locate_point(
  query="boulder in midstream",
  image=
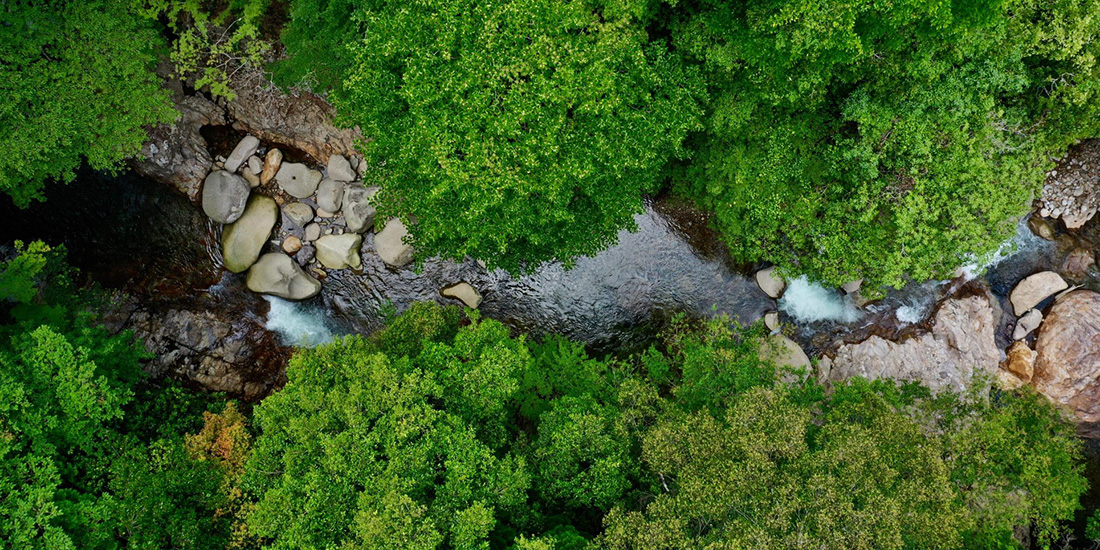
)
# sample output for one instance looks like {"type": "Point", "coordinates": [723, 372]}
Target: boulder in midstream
{"type": "Point", "coordinates": [339, 251]}
{"type": "Point", "coordinates": [464, 292]}
{"type": "Point", "coordinates": [243, 240]}
{"type": "Point", "coordinates": [224, 196]}
{"type": "Point", "coordinates": [770, 282]}
{"type": "Point", "coordinates": [278, 275]}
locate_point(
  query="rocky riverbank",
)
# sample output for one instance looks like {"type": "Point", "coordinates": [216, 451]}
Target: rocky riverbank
{"type": "Point", "coordinates": [293, 223]}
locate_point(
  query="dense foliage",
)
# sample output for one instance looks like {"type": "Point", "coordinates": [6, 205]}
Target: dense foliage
{"type": "Point", "coordinates": [515, 132]}
{"type": "Point", "coordinates": [76, 82]}
{"type": "Point", "coordinates": [91, 457]}
{"type": "Point", "coordinates": [880, 140]}
{"type": "Point", "coordinates": [474, 439]}
{"type": "Point", "coordinates": [446, 431]}
{"type": "Point", "coordinates": [883, 139]}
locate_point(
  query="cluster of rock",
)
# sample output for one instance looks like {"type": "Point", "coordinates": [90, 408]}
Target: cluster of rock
{"type": "Point", "coordinates": [177, 153]}
{"type": "Point", "coordinates": [324, 216]}
{"type": "Point", "coordinates": [1072, 189]}
{"type": "Point", "coordinates": [323, 220]}
{"type": "Point", "coordinates": [1026, 298]}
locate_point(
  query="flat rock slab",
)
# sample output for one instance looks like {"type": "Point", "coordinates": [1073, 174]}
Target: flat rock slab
{"type": "Point", "coordinates": [243, 240]}
{"type": "Point", "coordinates": [297, 179]}
{"type": "Point", "coordinates": [464, 292]}
{"type": "Point", "coordinates": [960, 345]}
{"type": "Point", "coordinates": [391, 246]}
{"type": "Point", "coordinates": [224, 196]}
{"type": "Point", "coordinates": [1031, 291]}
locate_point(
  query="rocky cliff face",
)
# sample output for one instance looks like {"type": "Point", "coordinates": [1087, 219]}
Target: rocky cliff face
{"type": "Point", "coordinates": [1067, 368]}
{"type": "Point", "coordinates": [220, 348]}
{"type": "Point", "coordinates": [302, 120]}
{"type": "Point", "coordinates": [960, 345]}
{"type": "Point", "coordinates": [177, 154]}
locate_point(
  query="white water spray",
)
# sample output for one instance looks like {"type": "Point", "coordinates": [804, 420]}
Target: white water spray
{"type": "Point", "coordinates": [1023, 241]}
{"type": "Point", "coordinates": [296, 324]}
{"type": "Point", "coordinates": [808, 302]}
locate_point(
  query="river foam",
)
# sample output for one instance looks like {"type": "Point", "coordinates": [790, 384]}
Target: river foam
{"type": "Point", "coordinates": [297, 324]}
{"type": "Point", "coordinates": [809, 302]}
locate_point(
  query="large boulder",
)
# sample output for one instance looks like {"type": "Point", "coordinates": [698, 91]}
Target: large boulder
{"type": "Point", "coordinates": [359, 212]}
{"type": "Point", "coordinates": [784, 352]}
{"type": "Point", "coordinates": [224, 196]}
{"type": "Point", "coordinates": [391, 246]}
{"type": "Point", "coordinates": [297, 179]}
{"type": "Point", "coordinates": [465, 293]}
{"type": "Point", "coordinates": [1034, 289]}
{"type": "Point", "coordinates": [339, 251]}
{"type": "Point", "coordinates": [244, 149]}
{"type": "Point", "coordinates": [278, 275]}
{"type": "Point", "coordinates": [1067, 368]}
{"type": "Point", "coordinates": [330, 195]}
{"type": "Point", "coordinates": [243, 240]}
{"type": "Point", "coordinates": [960, 345]}
{"type": "Point", "coordinates": [340, 169]}
{"type": "Point", "coordinates": [770, 282]}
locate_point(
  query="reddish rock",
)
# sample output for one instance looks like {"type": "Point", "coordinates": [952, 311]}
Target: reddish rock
{"type": "Point", "coordinates": [960, 345]}
{"type": "Point", "coordinates": [1067, 368]}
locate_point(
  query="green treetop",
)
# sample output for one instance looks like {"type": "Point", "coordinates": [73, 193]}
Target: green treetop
{"type": "Point", "coordinates": [76, 82]}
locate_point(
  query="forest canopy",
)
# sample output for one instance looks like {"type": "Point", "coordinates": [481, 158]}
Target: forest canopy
{"type": "Point", "coordinates": [445, 430]}
{"type": "Point", "coordinates": [883, 141]}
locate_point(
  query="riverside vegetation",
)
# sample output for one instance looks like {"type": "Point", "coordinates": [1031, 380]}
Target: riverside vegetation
{"type": "Point", "coordinates": [874, 140]}
{"type": "Point", "coordinates": [445, 431]}
{"type": "Point", "coordinates": [839, 140]}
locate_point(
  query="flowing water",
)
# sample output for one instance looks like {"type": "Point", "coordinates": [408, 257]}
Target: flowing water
{"type": "Point", "coordinates": [130, 233]}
